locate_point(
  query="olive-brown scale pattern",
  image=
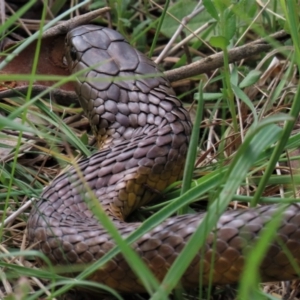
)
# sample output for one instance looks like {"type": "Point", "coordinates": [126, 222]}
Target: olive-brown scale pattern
{"type": "Point", "coordinates": [143, 133]}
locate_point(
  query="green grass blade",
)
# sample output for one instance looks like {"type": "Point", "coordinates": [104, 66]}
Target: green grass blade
{"type": "Point", "coordinates": [192, 151]}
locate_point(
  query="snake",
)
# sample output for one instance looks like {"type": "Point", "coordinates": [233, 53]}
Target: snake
{"type": "Point", "coordinates": [143, 132]}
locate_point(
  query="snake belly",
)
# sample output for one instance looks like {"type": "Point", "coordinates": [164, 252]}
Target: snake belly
{"type": "Point", "coordinates": [143, 132]}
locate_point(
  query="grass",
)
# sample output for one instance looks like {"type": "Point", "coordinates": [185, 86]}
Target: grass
{"type": "Point", "coordinates": [247, 131]}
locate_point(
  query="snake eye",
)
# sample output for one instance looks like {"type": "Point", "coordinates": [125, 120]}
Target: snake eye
{"type": "Point", "coordinates": [73, 53]}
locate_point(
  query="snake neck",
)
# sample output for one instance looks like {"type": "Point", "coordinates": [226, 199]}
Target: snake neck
{"type": "Point", "coordinates": [114, 121]}
{"type": "Point", "coordinates": [134, 114]}
{"type": "Point", "coordinates": [124, 93]}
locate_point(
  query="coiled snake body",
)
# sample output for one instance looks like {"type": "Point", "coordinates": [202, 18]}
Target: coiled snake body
{"type": "Point", "coordinates": [144, 132]}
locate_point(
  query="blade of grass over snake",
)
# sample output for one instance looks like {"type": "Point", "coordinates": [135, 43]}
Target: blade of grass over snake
{"type": "Point", "coordinates": [192, 151]}
{"type": "Point", "coordinates": [62, 81]}
{"type": "Point", "coordinates": [28, 77]}
{"type": "Point", "coordinates": [254, 143]}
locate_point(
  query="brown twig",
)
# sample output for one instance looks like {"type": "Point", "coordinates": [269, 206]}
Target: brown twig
{"type": "Point", "coordinates": [66, 26]}
{"type": "Point", "coordinates": [215, 61]}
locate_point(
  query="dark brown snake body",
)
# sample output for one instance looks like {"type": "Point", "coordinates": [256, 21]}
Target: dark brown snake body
{"type": "Point", "coordinates": [144, 133]}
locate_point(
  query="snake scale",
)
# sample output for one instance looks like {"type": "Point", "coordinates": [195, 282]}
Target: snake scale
{"type": "Point", "coordinates": [143, 132]}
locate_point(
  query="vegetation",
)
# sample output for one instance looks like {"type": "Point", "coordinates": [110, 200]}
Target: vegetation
{"type": "Point", "coordinates": [247, 152]}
